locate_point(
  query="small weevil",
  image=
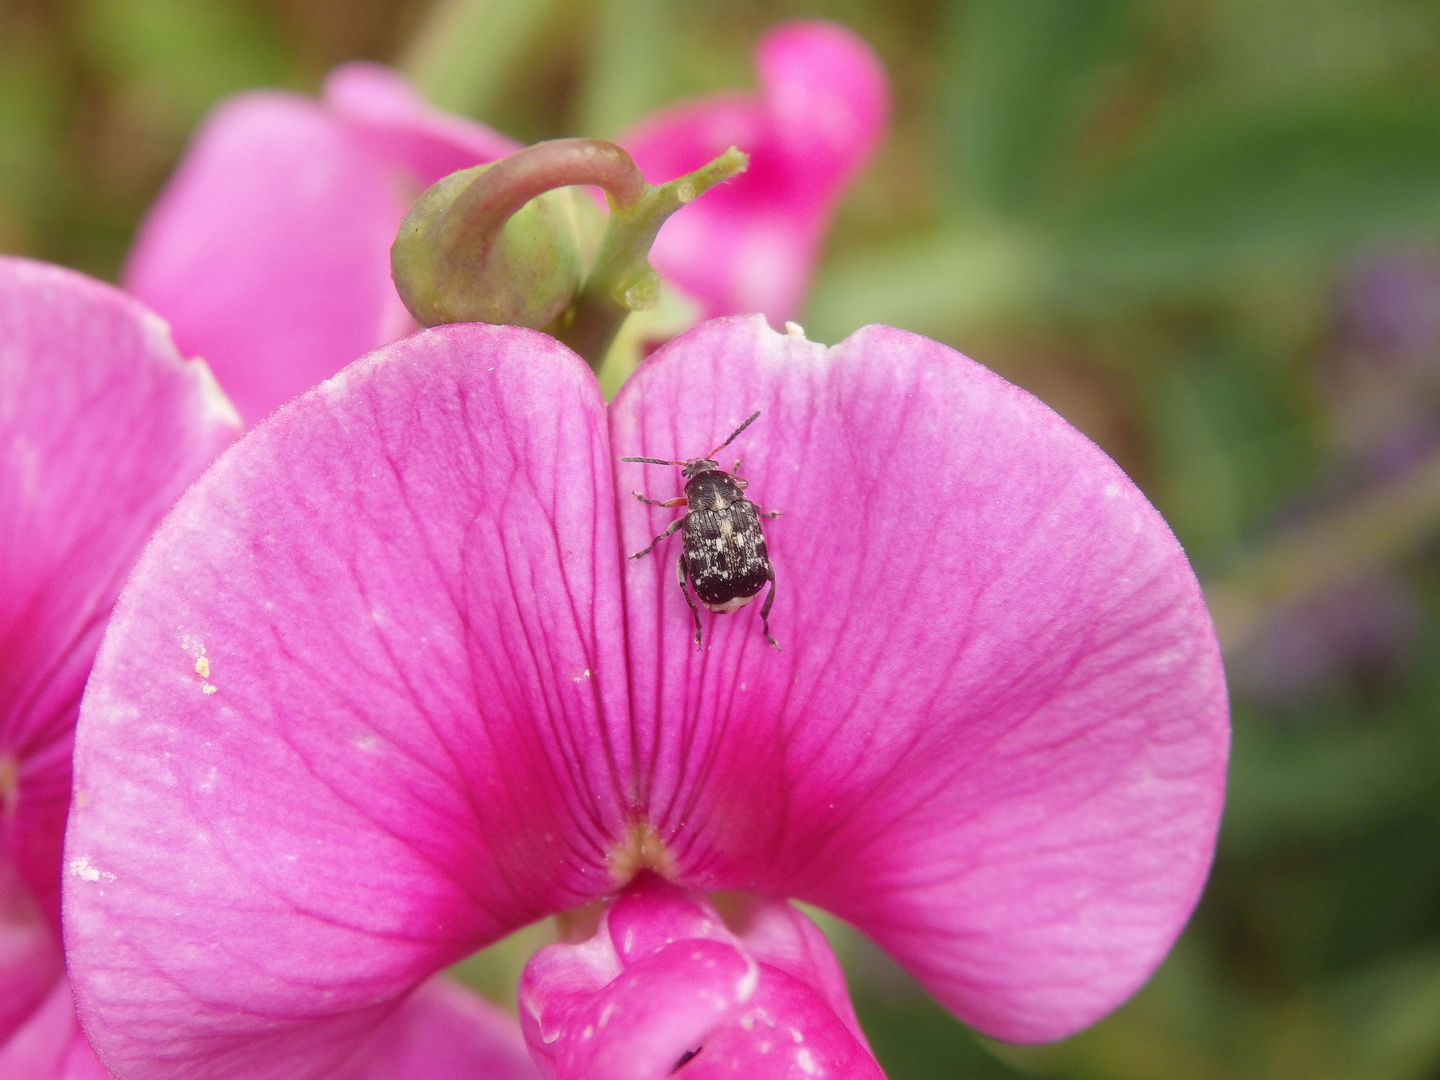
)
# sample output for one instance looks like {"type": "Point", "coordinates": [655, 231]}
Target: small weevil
{"type": "Point", "coordinates": [722, 549]}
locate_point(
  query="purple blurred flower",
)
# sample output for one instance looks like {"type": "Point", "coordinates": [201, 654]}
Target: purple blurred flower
{"type": "Point", "coordinates": [437, 704]}
{"type": "Point", "coordinates": [1349, 634]}
{"type": "Point", "coordinates": [1389, 306]}
{"type": "Point", "coordinates": [269, 249]}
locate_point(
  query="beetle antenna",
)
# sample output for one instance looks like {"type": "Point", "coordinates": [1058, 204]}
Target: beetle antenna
{"type": "Point", "coordinates": [753, 417]}
{"type": "Point", "coordinates": [651, 461]}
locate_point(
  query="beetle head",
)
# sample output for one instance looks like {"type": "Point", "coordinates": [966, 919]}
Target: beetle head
{"type": "Point", "coordinates": [697, 465]}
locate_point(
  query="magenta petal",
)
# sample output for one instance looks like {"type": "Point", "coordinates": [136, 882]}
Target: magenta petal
{"type": "Point", "coordinates": [51, 1045]}
{"type": "Point", "coordinates": [401, 127]}
{"type": "Point", "coordinates": [443, 1032]}
{"type": "Point", "coordinates": [346, 724]}
{"type": "Point", "coordinates": [996, 737]}
{"type": "Point", "coordinates": [269, 249]}
{"type": "Point", "coordinates": [102, 426]}
{"type": "Point", "coordinates": [30, 961]}
{"type": "Point", "coordinates": [751, 244]}
{"type": "Point", "coordinates": [664, 983]}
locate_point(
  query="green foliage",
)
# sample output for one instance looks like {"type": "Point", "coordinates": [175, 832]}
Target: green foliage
{"type": "Point", "coordinates": [1018, 76]}
{"type": "Point", "coordinates": [182, 56]}
{"type": "Point", "coordinates": [1301, 182]}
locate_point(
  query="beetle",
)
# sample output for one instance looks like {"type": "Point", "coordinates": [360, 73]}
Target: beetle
{"type": "Point", "coordinates": [722, 550]}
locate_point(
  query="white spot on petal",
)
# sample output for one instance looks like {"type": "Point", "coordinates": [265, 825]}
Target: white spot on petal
{"type": "Point", "coordinates": [82, 869]}
{"type": "Point", "coordinates": [745, 987]}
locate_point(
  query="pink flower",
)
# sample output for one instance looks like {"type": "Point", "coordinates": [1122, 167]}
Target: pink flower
{"type": "Point", "coordinates": [751, 244]}
{"type": "Point", "coordinates": [269, 250]}
{"type": "Point", "coordinates": [663, 979]}
{"type": "Point", "coordinates": [102, 426]}
{"type": "Point", "coordinates": [438, 703]}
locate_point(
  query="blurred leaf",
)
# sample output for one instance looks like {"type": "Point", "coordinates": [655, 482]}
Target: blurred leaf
{"type": "Point", "coordinates": [1019, 73]}
{"type": "Point", "coordinates": [32, 116]}
{"type": "Point", "coordinates": [626, 76]}
{"type": "Point", "coordinates": [179, 57]}
{"type": "Point", "coordinates": [1395, 1011]}
{"type": "Point", "coordinates": [466, 51]}
{"type": "Point", "coordinates": [1229, 439]}
{"type": "Point", "coordinates": [1328, 782]}
{"type": "Point", "coordinates": [931, 284]}
{"type": "Point", "coordinates": [496, 969]}
{"type": "Point", "coordinates": [1300, 184]}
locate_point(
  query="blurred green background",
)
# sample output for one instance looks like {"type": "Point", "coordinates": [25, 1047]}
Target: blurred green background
{"type": "Point", "coordinates": [1205, 231]}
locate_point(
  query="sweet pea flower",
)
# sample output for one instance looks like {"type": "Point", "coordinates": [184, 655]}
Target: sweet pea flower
{"type": "Point", "coordinates": [752, 244]}
{"type": "Point", "coordinates": [102, 426]}
{"type": "Point", "coordinates": [438, 703]}
{"type": "Point", "coordinates": [269, 249]}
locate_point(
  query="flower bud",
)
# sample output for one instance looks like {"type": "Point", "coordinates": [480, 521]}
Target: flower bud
{"type": "Point", "coordinates": [525, 272]}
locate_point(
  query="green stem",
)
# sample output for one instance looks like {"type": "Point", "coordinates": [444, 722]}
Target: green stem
{"type": "Point", "coordinates": [621, 280]}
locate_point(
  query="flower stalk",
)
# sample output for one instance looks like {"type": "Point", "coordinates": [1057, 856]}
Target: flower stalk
{"type": "Point", "coordinates": [493, 244]}
{"type": "Point", "coordinates": [621, 279]}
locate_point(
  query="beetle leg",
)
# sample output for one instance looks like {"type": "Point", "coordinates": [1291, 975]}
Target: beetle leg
{"type": "Point", "coordinates": [772, 513]}
{"type": "Point", "coordinates": [765, 611]}
{"type": "Point", "coordinates": [674, 525]}
{"type": "Point", "coordinates": [694, 611]}
{"type": "Point", "coordinates": [679, 500]}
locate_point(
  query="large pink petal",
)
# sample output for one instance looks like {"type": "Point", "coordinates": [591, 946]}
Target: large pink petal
{"type": "Point", "coordinates": [101, 427]}
{"type": "Point", "coordinates": [51, 1045]}
{"type": "Point", "coordinates": [751, 244]}
{"type": "Point", "coordinates": [404, 130]}
{"type": "Point", "coordinates": [269, 249]}
{"type": "Point", "coordinates": [346, 724]}
{"type": "Point", "coordinates": [665, 983]}
{"type": "Point", "coordinates": [443, 1032]}
{"type": "Point", "coordinates": [996, 737]}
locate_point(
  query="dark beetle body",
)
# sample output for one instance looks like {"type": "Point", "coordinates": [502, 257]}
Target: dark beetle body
{"type": "Point", "coordinates": [722, 552]}
{"type": "Point", "coordinates": [721, 543]}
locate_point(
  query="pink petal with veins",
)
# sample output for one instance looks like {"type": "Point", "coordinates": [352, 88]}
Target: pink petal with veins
{"type": "Point", "coordinates": [996, 737]}
{"type": "Point", "coordinates": [443, 1032]}
{"type": "Point", "coordinates": [751, 244]}
{"type": "Point", "coordinates": [405, 590]}
{"type": "Point", "coordinates": [664, 986]}
{"type": "Point", "coordinates": [102, 426]}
